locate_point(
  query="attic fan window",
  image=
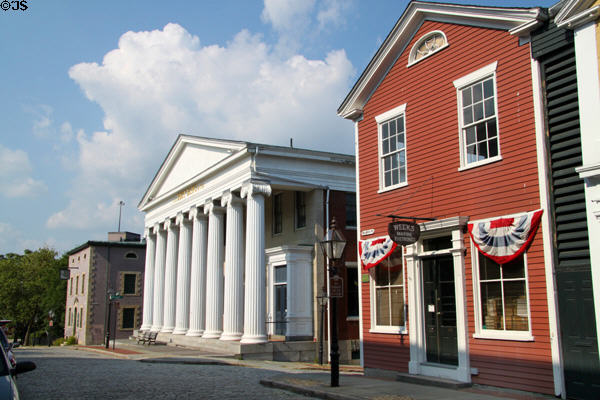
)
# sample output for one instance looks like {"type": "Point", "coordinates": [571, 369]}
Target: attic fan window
{"type": "Point", "coordinates": [427, 45]}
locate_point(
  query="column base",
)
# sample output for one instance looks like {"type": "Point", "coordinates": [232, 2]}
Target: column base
{"type": "Point", "coordinates": [194, 333]}
{"type": "Point", "coordinates": [155, 328]}
{"type": "Point", "coordinates": [180, 331]}
{"type": "Point", "coordinates": [145, 327]}
{"type": "Point", "coordinates": [212, 334]}
{"type": "Point", "coordinates": [231, 336]}
{"type": "Point", "coordinates": [167, 329]}
{"type": "Point", "coordinates": [254, 339]}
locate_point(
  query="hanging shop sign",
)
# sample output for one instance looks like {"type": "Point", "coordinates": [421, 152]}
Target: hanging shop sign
{"type": "Point", "coordinates": [404, 233]}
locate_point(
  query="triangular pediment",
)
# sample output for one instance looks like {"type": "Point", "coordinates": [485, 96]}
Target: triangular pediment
{"type": "Point", "coordinates": [189, 157]}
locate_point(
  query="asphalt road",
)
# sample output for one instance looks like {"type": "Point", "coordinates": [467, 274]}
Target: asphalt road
{"type": "Point", "coordinates": [64, 373]}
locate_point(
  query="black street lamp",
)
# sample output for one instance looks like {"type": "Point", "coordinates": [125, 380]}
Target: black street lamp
{"type": "Point", "coordinates": [333, 245]}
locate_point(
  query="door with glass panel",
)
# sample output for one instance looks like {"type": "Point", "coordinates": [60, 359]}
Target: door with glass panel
{"type": "Point", "coordinates": [439, 301]}
{"type": "Point", "coordinates": [280, 295]}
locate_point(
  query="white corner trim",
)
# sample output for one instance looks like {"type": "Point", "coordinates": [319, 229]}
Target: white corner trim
{"type": "Point", "coordinates": [475, 75]}
{"type": "Point", "coordinates": [394, 112]}
{"type": "Point", "coordinates": [547, 227]}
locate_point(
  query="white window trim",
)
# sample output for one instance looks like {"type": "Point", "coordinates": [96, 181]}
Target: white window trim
{"type": "Point", "coordinates": [413, 50]}
{"type": "Point", "coordinates": [461, 83]}
{"type": "Point", "coordinates": [381, 118]}
{"type": "Point", "coordinates": [388, 329]}
{"type": "Point", "coordinates": [480, 333]}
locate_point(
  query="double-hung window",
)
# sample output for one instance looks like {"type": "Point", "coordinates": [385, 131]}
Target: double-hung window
{"type": "Point", "coordinates": [478, 120]}
{"type": "Point", "coordinates": [387, 299]}
{"type": "Point", "coordinates": [392, 148]}
{"type": "Point", "coordinates": [502, 299]}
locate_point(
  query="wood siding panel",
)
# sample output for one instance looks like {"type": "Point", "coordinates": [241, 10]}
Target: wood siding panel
{"type": "Point", "coordinates": [436, 188]}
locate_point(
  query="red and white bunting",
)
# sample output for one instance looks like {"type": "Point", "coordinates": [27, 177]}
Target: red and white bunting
{"type": "Point", "coordinates": [505, 238]}
{"type": "Point", "coordinates": [374, 251]}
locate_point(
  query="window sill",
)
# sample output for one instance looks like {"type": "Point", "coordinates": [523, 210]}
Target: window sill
{"type": "Point", "coordinates": [480, 163]}
{"type": "Point", "coordinates": [499, 335]}
{"type": "Point", "coordinates": [393, 330]}
{"type": "Point", "coordinates": [387, 189]}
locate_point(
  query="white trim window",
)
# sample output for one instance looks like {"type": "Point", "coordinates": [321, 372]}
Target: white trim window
{"type": "Point", "coordinates": [478, 117]}
{"type": "Point", "coordinates": [502, 298]}
{"type": "Point", "coordinates": [392, 148]}
{"type": "Point", "coordinates": [428, 45]}
{"type": "Point", "coordinates": [387, 295]}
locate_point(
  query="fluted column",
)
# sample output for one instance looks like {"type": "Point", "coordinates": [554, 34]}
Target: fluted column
{"type": "Point", "coordinates": [159, 278]}
{"type": "Point", "coordinates": [214, 272]}
{"type": "Point", "coordinates": [255, 290]}
{"type": "Point", "coordinates": [182, 307]}
{"type": "Point", "coordinates": [233, 313]}
{"type": "Point", "coordinates": [198, 273]}
{"type": "Point", "coordinates": [148, 280]}
{"type": "Point", "coordinates": [170, 277]}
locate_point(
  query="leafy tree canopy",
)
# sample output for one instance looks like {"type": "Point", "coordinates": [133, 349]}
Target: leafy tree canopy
{"type": "Point", "coordinates": [31, 289]}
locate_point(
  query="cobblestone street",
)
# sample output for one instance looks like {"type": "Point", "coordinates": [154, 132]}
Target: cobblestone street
{"type": "Point", "coordinates": [66, 373]}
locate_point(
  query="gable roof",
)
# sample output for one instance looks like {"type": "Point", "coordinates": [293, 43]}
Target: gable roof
{"type": "Point", "coordinates": [192, 158]}
{"type": "Point", "coordinates": [518, 21]}
{"type": "Point", "coordinates": [222, 150]}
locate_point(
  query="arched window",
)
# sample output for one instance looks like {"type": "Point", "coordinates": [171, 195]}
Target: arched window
{"type": "Point", "coordinates": [429, 44]}
{"type": "Point", "coordinates": [131, 255]}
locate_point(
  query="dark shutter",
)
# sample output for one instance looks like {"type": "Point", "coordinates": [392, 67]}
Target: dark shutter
{"type": "Point", "coordinates": [554, 48]}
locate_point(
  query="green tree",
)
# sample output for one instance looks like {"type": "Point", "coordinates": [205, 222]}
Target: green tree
{"type": "Point", "coordinates": [30, 287]}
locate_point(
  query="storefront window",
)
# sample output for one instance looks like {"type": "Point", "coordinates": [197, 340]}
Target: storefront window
{"type": "Point", "coordinates": [503, 294]}
{"type": "Point", "coordinates": [388, 285]}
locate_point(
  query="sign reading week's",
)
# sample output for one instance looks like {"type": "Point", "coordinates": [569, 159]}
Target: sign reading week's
{"type": "Point", "coordinates": [404, 233]}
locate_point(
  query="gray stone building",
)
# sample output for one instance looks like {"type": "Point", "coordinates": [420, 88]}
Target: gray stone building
{"type": "Point", "coordinates": [97, 270]}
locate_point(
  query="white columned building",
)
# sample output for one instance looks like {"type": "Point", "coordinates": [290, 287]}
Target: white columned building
{"type": "Point", "coordinates": [198, 273]}
{"type": "Point", "coordinates": [170, 277]}
{"type": "Point", "coordinates": [233, 314]}
{"type": "Point", "coordinates": [159, 278]}
{"type": "Point", "coordinates": [182, 306]}
{"type": "Point", "coordinates": [213, 212]}
{"type": "Point", "coordinates": [148, 280]}
{"type": "Point", "coordinates": [214, 272]}
{"type": "Point", "coordinates": [254, 305]}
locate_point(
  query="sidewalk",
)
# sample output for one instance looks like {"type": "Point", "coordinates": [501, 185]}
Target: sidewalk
{"type": "Point", "coordinates": [311, 379]}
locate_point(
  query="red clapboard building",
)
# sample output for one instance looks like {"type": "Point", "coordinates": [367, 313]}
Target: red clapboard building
{"type": "Point", "coordinates": [449, 134]}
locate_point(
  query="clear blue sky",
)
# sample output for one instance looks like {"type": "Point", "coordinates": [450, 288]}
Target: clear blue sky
{"type": "Point", "coordinates": [93, 94]}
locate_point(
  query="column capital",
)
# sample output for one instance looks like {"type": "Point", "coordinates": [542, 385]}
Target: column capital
{"type": "Point", "coordinates": [211, 208]}
{"type": "Point", "coordinates": [229, 198]}
{"type": "Point", "coordinates": [148, 231]}
{"type": "Point", "coordinates": [168, 224]}
{"type": "Point", "coordinates": [195, 212]}
{"type": "Point", "coordinates": [181, 218]}
{"type": "Point", "coordinates": [254, 187]}
{"type": "Point", "coordinates": [156, 228]}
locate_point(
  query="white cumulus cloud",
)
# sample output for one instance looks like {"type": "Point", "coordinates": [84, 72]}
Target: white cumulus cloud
{"type": "Point", "coordinates": [15, 179]}
{"type": "Point", "coordinates": [158, 84]}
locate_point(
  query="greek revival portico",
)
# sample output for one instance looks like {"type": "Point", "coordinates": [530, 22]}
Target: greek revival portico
{"type": "Point", "coordinates": [206, 263]}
